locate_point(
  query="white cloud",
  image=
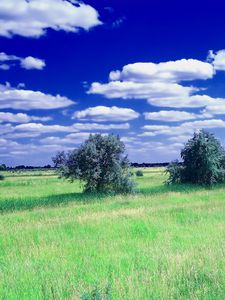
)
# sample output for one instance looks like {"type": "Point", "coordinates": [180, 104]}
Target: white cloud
{"type": "Point", "coordinates": [29, 62]}
{"type": "Point", "coordinates": [27, 99]}
{"type": "Point", "coordinates": [183, 101]}
{"type": "Point", "coordinates": [170, 116]}
{"type": "Point", "coordinates": [4, 67]}
{"type": "Point", "coordinates": [171, 71]}
{"type": "Point", "coordinates": [21, 135]}
{"type": "Point", "coordinates": [20, 118]}
{"type": "Point", "coordinates": [5, 142]}
{"type": "Point", "coordinates": [32, 63]}
{"type": "Point", "coordinates": [156, 127]}
{"type": "Point", "coordinates": [73, 138]}
{"type": "Point", "coordinates": [104, 114]}
{"type": "Point", "coordinates": [96, 126]}
{"type": "Point", "coordinates": [6, 57]}
{"type": "Point", "coordinates": [217, 108]}
{"type": "Point", "coordinates": [136, 90]}
{"type": "Point", "coordinates": [160, 84]}
{"type": "Point", "coordinates": [186, 128]}
{"type": "Point", "coordinates": [217, 59]}
{"type": "Point", "coordinates": [30, 130]}
{"type": "Point", "coordinates": [180, 138]}
{"type": "Point", "coordinates": [40, 128]}
{"type": "Point", "coordinates": [32, 18]}
{"type": "Point", "coordinates": [28, 150]}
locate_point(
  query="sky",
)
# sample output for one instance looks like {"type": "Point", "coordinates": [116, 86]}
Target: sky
{"type": "Point", "coordinates": [152, 72]}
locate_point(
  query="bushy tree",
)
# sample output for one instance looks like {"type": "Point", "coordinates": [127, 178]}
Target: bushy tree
{"type": "Point", "coordinates": [3, 167]}
{"type": "Point", "coordinates": [203, 161]}
{"type": "Point", "coordinates": [99, 162]}
{"type": "Point", "coordinates": [139, 173]}
{"type": "Point", "coordinates": [174, 170]}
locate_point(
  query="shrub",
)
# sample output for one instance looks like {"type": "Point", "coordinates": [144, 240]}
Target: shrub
{"type": "Point", "coordinates": [174, 170]}
{"type": "Point", "coordinates": [203, 161]}
{"type": "Point", "coordinates": [139, 173]}
{"type": "Point", "coordinates": [2, 177]}
{"type": "Point", "coordinates": [99, 163]}
{"type": "Point", "coordinates": [3, 167]}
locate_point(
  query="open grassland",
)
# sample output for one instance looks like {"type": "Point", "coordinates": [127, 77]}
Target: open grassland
{"type": "Point", "coordinates": [161, 243]}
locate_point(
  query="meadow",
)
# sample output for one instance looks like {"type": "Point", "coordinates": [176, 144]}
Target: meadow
{"type": "Point", "coordinates": [164, 242]}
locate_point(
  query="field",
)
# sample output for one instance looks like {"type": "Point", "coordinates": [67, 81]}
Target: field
{"type": "Point", "coordinates": [161, 243]}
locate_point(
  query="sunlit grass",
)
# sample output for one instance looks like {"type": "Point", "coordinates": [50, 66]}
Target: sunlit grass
{"type": "Point", "coordinates": [161, 243]}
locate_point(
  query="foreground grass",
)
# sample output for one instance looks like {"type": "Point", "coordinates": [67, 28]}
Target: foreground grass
{"type": "Point", "coordinates": [162, 243]}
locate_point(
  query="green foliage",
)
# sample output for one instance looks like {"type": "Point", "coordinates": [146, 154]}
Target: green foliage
{"type": "Point", "coordinates": [99, 163]}
{"type": "Point", "coordinates": [3, 167]}
{"type": "Point", "coordinates": [203, 161]}
{"type": "Point", "coordinates": [2, 177]}
{"type": "Point", "coordinates": [174, 170]}
{"type": "Point", "coordinates": [139, 173]}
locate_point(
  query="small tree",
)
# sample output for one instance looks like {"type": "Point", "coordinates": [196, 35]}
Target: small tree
{"type": "Point", "coordinates": [203, 161]}
{"type": "Point", "coordinates": [139, 173]}
{"type": "Point", "coordinates": [3, 167]}
{"type": "Point", "coordinates": [174, 169]}
{"type": "Point", "coordinates": [99, 163]}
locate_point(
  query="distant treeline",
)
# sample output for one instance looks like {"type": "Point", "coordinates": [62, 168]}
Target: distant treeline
{"type": "Point", "coordinates": [150, 165]}
{"type": "Point", "coordinates": [22, 167]}
{"type": "Point", "coordinates": [134, 165]}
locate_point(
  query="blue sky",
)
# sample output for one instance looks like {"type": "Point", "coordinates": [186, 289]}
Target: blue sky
{"type": "Point", "coordinates": [151, 71]}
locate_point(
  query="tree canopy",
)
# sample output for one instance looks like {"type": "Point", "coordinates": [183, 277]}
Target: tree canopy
{"type": "Point", "coordinates": [203, 161]}
{"type": "Point", "coordinates": [99, 162]}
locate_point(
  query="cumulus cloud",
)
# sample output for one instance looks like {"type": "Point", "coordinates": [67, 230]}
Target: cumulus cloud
{"type": "Point", "coordinates": [29, 62]}
{"type": "Point", "coordinates": [41, 128]}
{"type": "Point", "coordinates": [14, 149]}
{"type": "Point", "coordinates": [170, 116]}
{"type": "Point", "coordinates": [36, 129]}
{"type": "Point", "coordinates": [96, 126]}
{"type": "Point", "coordinates": [136, 90]}
{"type": "Point", "coordinates": [73, 139]}
{"type": "Point", "coordinates": [186, 128]}
{"type": "Point", "coordinates": [166, 85]}
{"type": "Point", "coordinates": [216, 108]}
{"type": "Point", "coordinates": [22, 99]}
{"type": "Point", "coordinates": [21, 135]}
{"type": "Point", "coordinates": [20, 118]}
{"type": "Point", "coordinates": [217, 59]}
{"type": "Point", "coordinates": [172, 71]}
{"type": "Point", "coordinates": [160, 151]}
{"type": "Point", "coordinates": [159, 84]}
{"type": "Point", "coordinates": [180, 138]}
{"type": "Point", "coordinates": [183, 101]}
{"type": "Point", "coordinates": [104, 114]}
{"type": "Point", "coordinates": [32, 18]}
{"type": "Point", "coordinates": [4, 67]}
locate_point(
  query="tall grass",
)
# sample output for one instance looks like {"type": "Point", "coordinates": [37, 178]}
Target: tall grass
{"type": "Point", "coordinates": [162, 243]}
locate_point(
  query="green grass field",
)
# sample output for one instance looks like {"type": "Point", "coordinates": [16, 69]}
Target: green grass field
{"type": "Point", "coordinates": [161, 243]}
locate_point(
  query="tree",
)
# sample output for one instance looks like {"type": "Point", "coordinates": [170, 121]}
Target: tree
{"type": "Point", "coordinates": [174, 169]}
{"type": "Point", "coordinates": [139, 173]}
{"type": "Point", "coordinates": [99, 162]}
{"type": "Point", "coordinates": [203, 161]}
{"type": "Point", "coordinates": [3, 167]}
